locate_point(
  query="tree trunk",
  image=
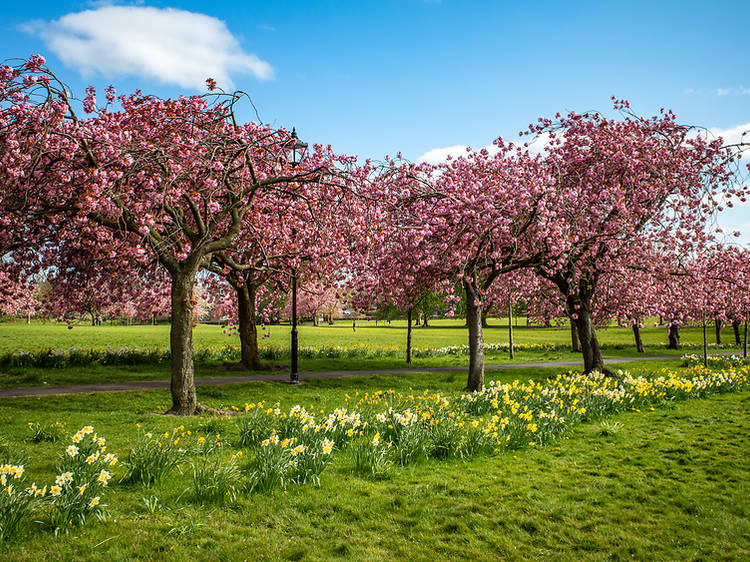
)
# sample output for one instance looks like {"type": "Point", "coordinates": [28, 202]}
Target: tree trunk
{"type": "Point", "coordinates": [474, 315]}
{"type": "Point", "coordinates": [718, 331]}
{"type": "Point", "coordinates": [408, 335]}
{"type": "Point", "coordinates": [184, 402]}
{"type": "Point", "coordinates": [736, 328]}
{"type": "Point", "coordinates": [744, 345]}
{"type": "Point", "coordinates": [425, 324]}
{"type": "Point", "coordinates": [705, 345]}
{"type": "Point", "coordinates": [483, 318]}
{"type": "Point", "coordinates": [638, 340]}
{"type": "Point", "coordinates": [590, 349]}
{"type": "Point", "coordinates": [510, 328]}
{"type": "Point", "coordinates": [575, 342]}
{"type": "Point", "coordinates": [674, 336]}
{"type": "Point", "coordinates": [247, 328]}
{"type": "Point", "coordinates": [28, 318]}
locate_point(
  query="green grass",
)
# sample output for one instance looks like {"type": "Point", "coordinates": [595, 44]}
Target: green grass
{"type": "Point", "coordinates": [18, 335]}
{"type": "Point", "coordinates": [666, 484]}
{"type": "Point", "coordinates": [96, 374]}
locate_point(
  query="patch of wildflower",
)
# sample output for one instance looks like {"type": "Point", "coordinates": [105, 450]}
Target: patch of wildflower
{"type": "Point", "coordinates": [12, 455]}
{"type": "Point", "coordinates": [79, 357]}
{"type": "Point", "coordinates": [372, 457]}
{"type": "Point", "coordinates": [253, 424]}
{"type": "Point", "coordinates": [279, 461]}
{"type": "Point", "coordinates": [715, 361]}
{"type": "Point", "coordinates": [380, 429]}
{"type": "Point", "coordinates": [16, 502]}
{"type": "Point", "coordinates": [216, 481]}
{"type": "Point", "coordinates": [208, 444]}
{"type": "Point", "coordinates": [258, 420]}
{"type": "Point", "coordinates": [49, 432]}
{"type": "Point", "coordinates": [152, 456]}
{"type": "Point", "coordinates": [83, 474]}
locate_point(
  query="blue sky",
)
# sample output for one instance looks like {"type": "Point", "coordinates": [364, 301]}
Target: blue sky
{"type": "Point", "coordinates": [375, 78]}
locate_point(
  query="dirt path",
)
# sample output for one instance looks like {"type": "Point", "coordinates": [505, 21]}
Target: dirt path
{"type": "Point", "coordinates": [238, 379]}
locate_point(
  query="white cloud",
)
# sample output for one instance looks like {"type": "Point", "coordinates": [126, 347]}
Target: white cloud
{"type": "Point", "coordinates": [732, 221]}
{"type": "Point", "coordinates": [437, 155]}
{"type": "Point", "coordinates": [721, 92]}
{"type": "Point", "coordinates": [169, 45]}
{"type": "Point", "coordinates": [732, 135]}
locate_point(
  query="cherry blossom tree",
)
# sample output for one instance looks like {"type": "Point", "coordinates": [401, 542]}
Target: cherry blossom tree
{"type": "Point", "coordinates": [19, 292]}
{"type": "Point", "coordinates": [573, 213]}
{"type": "Point", "coordinates": [313, 299]}
{"type": "Point", "coordinates": [305, 233]}
{"type": "Point", "coordinates": [390, 265]}
{"type": "Point", "coordinates": [171, 179]}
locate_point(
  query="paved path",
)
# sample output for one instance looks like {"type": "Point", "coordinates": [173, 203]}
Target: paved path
{"type": "Point", "coordinates": [237, 379]}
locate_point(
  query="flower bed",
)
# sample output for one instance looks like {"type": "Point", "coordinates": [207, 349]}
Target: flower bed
{"type": "Point", "coordinates": [79, 357]}
{"type": "Point", "coordinates": [371, 433]}
{"type": "Point", "coordinates": [716, 362]}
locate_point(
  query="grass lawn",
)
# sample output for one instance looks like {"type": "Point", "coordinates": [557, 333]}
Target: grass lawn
{"type": "Point", "coordinates": [673, 483]}
{"type": "Point", "coordinates": [18, 335]}
{"type": "Point", "coordinates": [617, 342]}
{"type": "Point", "coordinates": [27, 377]}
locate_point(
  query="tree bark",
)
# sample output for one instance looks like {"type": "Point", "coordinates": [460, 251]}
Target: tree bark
{"type": "Point", "coordinates": [638, 340]}
{"type": "Point", "coordinates": [476, 343]}
{"type": "Point", "coordinates": [718, 331]}
{"type": "Point", "coordinates": [483, 318]}
{"type": "Point", "coordinates": [590, 349]}
{"type": "Point", "coordinates": [736, 328]}
{"type": "Point", "coordinates": [247, 327]}
{"type": "Point", "coordinates": [575, 342]}
{"type": "Point", "coordinates": [408, 335]}
{"type": "Point", "coordinates": [510, 328]}
{"type": "Point", "coordinates": [705, 345]}
{"type": "Point", "coordinates": [184, 402]}
{"type": "Point", "coordinates": [674, 336]}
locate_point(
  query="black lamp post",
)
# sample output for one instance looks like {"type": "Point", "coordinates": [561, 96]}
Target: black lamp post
{"type": "Point", "coordinates": [295, 150]}
{"type": "Point", "coordinates": [294, 375]}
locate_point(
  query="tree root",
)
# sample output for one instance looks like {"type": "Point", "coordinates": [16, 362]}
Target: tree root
{"type": "Point", "coordinates": [201, 409]}
{"type": "Point", "coordinates": [603, 370]}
